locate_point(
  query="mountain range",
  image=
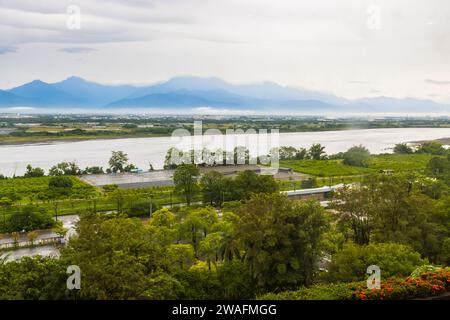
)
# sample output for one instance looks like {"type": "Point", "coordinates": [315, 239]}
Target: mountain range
{"type": "Point", "coordinates": [188, 93]}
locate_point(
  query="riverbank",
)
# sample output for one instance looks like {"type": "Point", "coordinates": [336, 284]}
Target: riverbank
{"type": "Point", "coordinates": [142, 151]}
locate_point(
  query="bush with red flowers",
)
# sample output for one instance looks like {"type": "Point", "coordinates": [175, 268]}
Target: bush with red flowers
{"type": "Point", "coordinates": [427, 284]}
{"type": "Point", "coordinates": [419, 285]}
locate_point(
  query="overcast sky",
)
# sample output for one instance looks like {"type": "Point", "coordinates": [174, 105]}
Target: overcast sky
{"type": "Point", "coordinates": [352, 48]}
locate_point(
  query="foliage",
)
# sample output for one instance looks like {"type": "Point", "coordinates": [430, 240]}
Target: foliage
{"type": "Point", "coordinates": [308, 183]}
{"type": "Point", "coordinates": [280, 240]}
{"type": "Point", "coordinates": [33, 172]}
{"type": "Point", "coordinates": [213, 185]}
{"type": "Point", "coordinates": [357, 156]}
{"type": "Point", "coordinates": [185, 180]}
{"type": "Point", "coordinates": [118, 161]}
{"type": "Point", "coordinates": [141, 209]}
{"type": "Point", "coordinates": [249, 182]}
{"type": "Point", "coordinates": [428, 284]}
{"type": "Point", "coordinates": [329, 291]}
{"type": "Point", "coordinates": [28, 218]}
{"type": "Point", "coordinates": [324, 168]}
{"type": "Point", "coordinates": [423, 269]}
{"type": "Point", "coordinates": [317, 152]}
{"type": "Point", "coordinates": [392, 209]}
{"type": "Point", "coordinates": [402, 148]}
{"type": "Point", "coordinates": [350, 263]}
{"type": "Point", "coordinates": [431, 147]}
{"type": "Point", "coordinates": [64, 169]}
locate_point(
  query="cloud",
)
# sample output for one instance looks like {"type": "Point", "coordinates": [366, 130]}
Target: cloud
{"type": "Point", "coordinates": [358, 82]}
{"type": "Point", "coordinates": [437, 82]}
{"type": "Point", "coordinates": [7, 49]}
{"type": "Point", "coordinates": [77, 50]}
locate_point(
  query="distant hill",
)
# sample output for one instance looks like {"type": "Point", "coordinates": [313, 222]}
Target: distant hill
{"type": "Point", "coordinates": [186, 93]}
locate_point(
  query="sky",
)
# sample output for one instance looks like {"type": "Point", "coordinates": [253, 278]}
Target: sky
{"type": "Point", "coordinates": [351, 48]}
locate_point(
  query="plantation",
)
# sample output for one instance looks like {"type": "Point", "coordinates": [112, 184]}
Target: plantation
{"type": "Point", "coordinates": [324, 168]}
{"type": "Point", "coordinates": [335, 167]}
{"type": "Point", "coordinates": [400, 162]}
{"type": "Point", "coordinates": [24, 190]}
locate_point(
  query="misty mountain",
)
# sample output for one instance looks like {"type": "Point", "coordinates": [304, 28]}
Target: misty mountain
{"type": "Point", "coordinates": [10, 99]}
{"type": "Point", "coordinates": [186, 93]}
{"type": "Point", "coordinates": [93, 94]}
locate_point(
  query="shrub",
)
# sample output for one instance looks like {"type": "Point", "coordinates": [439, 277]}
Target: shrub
{"type": "Point", "coordinates": [403, 148]}
{"type": "Point", "coordinates": [431, 147]}
{"type": "Point", "coordinates": [351, 262]}
{"type": "Point", "coordinates": [141, 209]}
{"type": "Point", "coordinates": [357, 156]}
{"type": "Point", "coordinates": [29, 218]}
{"type": "Point", "coordinates": [428, 284]}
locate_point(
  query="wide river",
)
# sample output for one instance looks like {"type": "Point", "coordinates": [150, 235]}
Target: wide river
{"type": "Point", "coordinates": [142, 151]}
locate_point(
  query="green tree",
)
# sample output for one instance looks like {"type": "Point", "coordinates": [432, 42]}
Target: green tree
{"type": "Point", "coordinates": [210, 247]}
{"type": "Point", "coordinates": [350, 264]}
{"type": "Point", "coordinates": [249, 182]}
{"type": "Point", "coordinates": [117, 256]}
{"type": "Point", "coordinates": [403, 148]}
{"type": "Point", "coordinates": [185, 180]}
{"type": "Point", "coordinates": [33, 172]}
{"type": "Point", "coordinates": [118, 161]}
{"type": "Point", "coordinates": [357, 156]}
{"type": "Point", "coordinates": [64, 168]}
{"type": "Point", "coordinates": [163, 218]}
{"type": "Point", "coordinates": [29, 218]}
{"type": "Point", "coordinates": [281, 240]}
{"type": "Point", "coordinates": [431, 147]}
{"type": "Point", "coordinates": [58, 187]}
{"type": "Point", "coordinates": [438, 167]}
{"type": "Point", "coordinates": [445, 254]}
{"type": "Point", "coordinates": [213, 186]}
{"type": "Point", "coordinates": [316, 151]}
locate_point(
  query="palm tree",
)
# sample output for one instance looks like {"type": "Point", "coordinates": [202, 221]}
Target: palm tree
{"type": "Point", "coordinates": [316, 151]}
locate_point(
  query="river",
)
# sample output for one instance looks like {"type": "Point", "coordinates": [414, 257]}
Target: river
{"type": "Point", "coordinates": [142, 151]}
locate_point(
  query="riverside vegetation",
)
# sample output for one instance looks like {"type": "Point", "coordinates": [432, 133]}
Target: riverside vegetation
{"type": "Point", "coordinates": [246, 240]}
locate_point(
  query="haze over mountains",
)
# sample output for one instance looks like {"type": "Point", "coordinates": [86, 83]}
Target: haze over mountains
{"type": "Point", "coordinates": [189, 93]}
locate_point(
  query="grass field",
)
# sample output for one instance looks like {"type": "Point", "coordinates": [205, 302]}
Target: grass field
{"type": "Point", "coordinates": [83, 197]}
{"type": "Point", "coordinates": [324, 168]}
{"type": "Point", "coordinates": [400, 162]}
{"type": "Point", "coordinates": [335, 168]}
{"type": "Point", "coordinates": [26, 189]}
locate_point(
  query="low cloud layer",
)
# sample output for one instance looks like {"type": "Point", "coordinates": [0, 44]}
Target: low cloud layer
{"type": "Point", "coordinates": [344, 47]}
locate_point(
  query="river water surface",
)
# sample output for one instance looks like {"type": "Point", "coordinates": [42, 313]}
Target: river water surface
{"type": "Point", "coordinates": [142, 151]}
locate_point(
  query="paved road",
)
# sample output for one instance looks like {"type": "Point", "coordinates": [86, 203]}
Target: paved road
{"type": "Point", "coordinates": [48, 250]}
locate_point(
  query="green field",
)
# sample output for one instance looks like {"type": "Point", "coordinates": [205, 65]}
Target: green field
{"type": "Point", "coordinates": [400, 162]}
{"type": "Point", "coordinates": [27, 189]}
{"type": "Point", "coordinates": [324, 168]}
{"type": "Point", "coordinates": [82, 197]}
{"type": "Point", "coordinates": [335, 168]}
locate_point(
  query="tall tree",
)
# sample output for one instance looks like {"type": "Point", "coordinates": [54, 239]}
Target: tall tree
{"type": "Point", "coordinates": [118, 161]}
{"type": "Point", "coordinates": [185, 179]}
{"type": "Point", "coordinates": [213, 186]}
{"type": "Point", "coordinates": [316, 151]}
{"type": "Point", "coordinates": [281, 240]}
